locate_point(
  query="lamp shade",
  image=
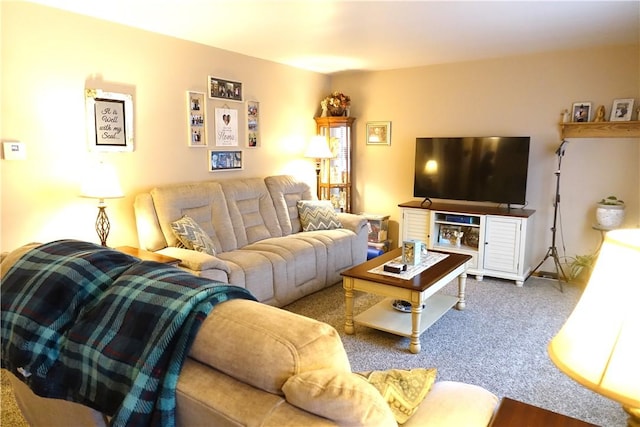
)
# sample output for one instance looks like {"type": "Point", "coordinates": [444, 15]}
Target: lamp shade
{"type": "Point", "coordinates": [599, 345]}
{"type": "Point", "coordinates": [102, 183]}
{"type": "Point", "coordinates": [318, 148]}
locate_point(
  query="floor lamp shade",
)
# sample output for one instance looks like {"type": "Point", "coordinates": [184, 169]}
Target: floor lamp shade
{"type": "Point", "coordinates": [599, 345]}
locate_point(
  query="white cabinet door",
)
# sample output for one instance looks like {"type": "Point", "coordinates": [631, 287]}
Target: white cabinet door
{"type": "Point", "coordinates": [502, 244]}
{"type": "Point", "coordinates": [415, 225]}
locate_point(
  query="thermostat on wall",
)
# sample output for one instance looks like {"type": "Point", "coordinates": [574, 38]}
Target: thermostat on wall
{"type": "Point", "coordinates": [14, 150]}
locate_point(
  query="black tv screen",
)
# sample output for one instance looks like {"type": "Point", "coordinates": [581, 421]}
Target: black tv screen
{"type": "Point", "coordinates": [479, 169]}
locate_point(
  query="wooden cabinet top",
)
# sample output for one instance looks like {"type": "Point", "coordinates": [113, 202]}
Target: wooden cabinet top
{"type": "Point", "coordinates": [468, 209]}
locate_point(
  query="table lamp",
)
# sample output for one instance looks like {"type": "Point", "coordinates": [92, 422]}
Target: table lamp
{"type": "Point", "coordinates": [318, 149]}
{"type": "Point", "coordinates": [599, 345]}
{"type": "Point", "coordinates": [102, 183]}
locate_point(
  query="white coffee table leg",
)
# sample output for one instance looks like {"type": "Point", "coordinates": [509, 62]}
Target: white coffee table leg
{"type": "Point", "coordinates": [347, 284]}
{"type": "Point", "coordinates": [462, 284]}
{"type": "Point", "coordinates": [416, 313]}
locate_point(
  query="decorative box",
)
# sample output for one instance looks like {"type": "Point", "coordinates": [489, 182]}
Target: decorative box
{"type": "Point", "coordinates": [411, 251]}
{"type": "Point", "coordinates": [378, 226]}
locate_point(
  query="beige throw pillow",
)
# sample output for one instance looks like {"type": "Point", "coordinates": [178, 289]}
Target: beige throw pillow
{"type": "Point", "coordinates": [342, 397]}
{"type": "Point", "coordinates": [317, 215]}
{"type": "Point", "coordinates": [192, 236]}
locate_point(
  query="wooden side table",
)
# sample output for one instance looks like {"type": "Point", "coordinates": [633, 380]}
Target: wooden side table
{"type": "Point", "coordinates": [148, 255]}
{"type": "Point", "coordinates": [513, 413]}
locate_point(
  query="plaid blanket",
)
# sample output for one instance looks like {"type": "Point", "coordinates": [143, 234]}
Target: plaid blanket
{"type": "Point", "coordinates": [96, 326]}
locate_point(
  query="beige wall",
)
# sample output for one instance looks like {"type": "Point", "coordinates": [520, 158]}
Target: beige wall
{"type": "Point", "coordinates": [510, 96]}
{"type": "Point", "coordinates": [49, 57]}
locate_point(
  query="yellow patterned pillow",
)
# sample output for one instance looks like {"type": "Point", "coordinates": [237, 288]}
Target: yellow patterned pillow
{"type": "Point", "coordinates": [403, 390]}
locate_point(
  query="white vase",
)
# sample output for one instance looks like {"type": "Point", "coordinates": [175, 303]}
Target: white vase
{"type": "Point", "coordinates": [610, 216]}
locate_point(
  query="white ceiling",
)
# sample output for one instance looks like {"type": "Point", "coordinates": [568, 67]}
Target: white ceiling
{"type": "Point", "coordinates": [336, 35]}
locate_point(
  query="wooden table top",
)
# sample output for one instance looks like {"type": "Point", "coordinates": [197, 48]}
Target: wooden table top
{"type": "Point", "coordinates": [420, 281]}
{"type": "Point", "coordinates": [513, 413]}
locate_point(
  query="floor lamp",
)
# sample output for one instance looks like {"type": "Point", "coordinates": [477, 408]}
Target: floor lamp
{"type": "Point", "coordinates": [552, 252]}
{"type": "Point", "coordinates": [599, 346]}
{"type": "Point", "coordinates": [318, 149]}
{"type": "Point", "coordinates": [102, 183]}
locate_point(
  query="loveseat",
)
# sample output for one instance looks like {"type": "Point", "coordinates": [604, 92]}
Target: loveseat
{"type": "Point", "coordinates": [256, 235]}
{"type": "Point", "coordinates": [252, 364]}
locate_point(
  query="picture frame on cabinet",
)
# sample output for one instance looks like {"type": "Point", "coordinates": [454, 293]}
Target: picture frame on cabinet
{"type": "Point", "coordinates": [224, 89]}
{"type": "Point", "coordinates": [581, 112]}
{"type": "Point", "coordinates": [225, 160]}
{"type": "Point", "coordinates": [378, 133]}
{"type": "Point", "coordinates": [109, 120]}
{"type": "Point", "coordinates": [197, 119]}
{"type": "Point", "coordinates": [621, 110]}
{"type": "Point", "coordinates": [253, 124]}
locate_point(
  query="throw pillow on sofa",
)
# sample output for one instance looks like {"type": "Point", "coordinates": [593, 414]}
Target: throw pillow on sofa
{"type": "Point", "coordinates": [317, 215]}
{"type": "Point", "coordinates": [403, 390]}
{"type": "Point", "coordinates": [192, 236]}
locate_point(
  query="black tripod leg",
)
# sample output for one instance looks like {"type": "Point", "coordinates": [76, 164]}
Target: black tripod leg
{"type": "Point", "coordinates": [549, 253]}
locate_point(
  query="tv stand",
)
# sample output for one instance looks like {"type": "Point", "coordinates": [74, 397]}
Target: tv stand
{"type": "Point", "coordinates": [497, 238]}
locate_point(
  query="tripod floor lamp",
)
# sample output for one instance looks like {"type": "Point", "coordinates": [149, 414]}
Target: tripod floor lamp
{"type": "Point", "coordinates": [102, 183]}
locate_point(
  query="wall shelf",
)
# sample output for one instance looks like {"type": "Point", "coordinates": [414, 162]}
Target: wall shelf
{"type": "Point", "coordinates": [600, 130]}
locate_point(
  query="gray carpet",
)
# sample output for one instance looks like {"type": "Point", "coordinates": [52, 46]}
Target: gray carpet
{"type": "Point", "coordinates": [498, 342]}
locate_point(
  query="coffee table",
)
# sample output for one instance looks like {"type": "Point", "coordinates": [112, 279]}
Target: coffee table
{"type": "Point", "coordinates": [420, 291]}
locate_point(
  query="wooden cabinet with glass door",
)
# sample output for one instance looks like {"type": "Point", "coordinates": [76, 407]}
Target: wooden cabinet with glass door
{"type": "Point", "coordinates": [335, 173]}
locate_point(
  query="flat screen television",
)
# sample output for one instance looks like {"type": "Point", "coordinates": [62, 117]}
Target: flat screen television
{"type": "Point", "coordinates": [477, 169]}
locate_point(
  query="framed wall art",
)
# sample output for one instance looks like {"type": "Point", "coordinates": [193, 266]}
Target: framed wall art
{"type": "Point", "coordinates": [378, 133]}
{"type": "Point", "coordinates": [224, 89]}
{"type": "Point", "coordinates": [109, 118]}
{"type": "Point", "coordinates": [226, 127]}
{"type": "Point", "coordinates": [253, 124]}
{"type": "Point", "coordinates": [581, 112]}
{"type": "Point", "coordinates": [621, 110]}
{"type": "Point", "coordinates": [225, 160]}
{"type": "Point", "coordinates": [197, 123]}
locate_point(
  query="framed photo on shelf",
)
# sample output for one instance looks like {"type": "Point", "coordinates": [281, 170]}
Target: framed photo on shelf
{"type": "Point", "coordinates": [224, 89]}
{"type": "Point", "coordinates": [581, 112]}
{"type": "Point", "coordinates": [197, 123]}
{"type": "Point", "coordinates": [378, 133]}
{"type": "Point", "coordinates": [109, 118]}
{"type": "Point", "coordinates": [450, 235]}
{"type": "Point", "coordinates": [253, 124]}
{"type": "Point", "coordinates": [621, 110]}
{"type": "Point", "coordinates": [225, 160]}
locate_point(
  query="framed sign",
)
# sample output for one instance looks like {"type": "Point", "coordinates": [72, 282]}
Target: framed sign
{"type": "Point", "coordinates": [253, 124]}
{"type": "Point", "coordinates": [226, 127]}
{"type": "Point", "coordinates": [109, 120]}
{"type": "Point", "coordinates": [197, 123]}
{"type": "Point", "coordinates": [225, 160]}
{"type": "Point", "coordinates": [378, 133]}
{"type": "Point", "coordinates": [224, 89]}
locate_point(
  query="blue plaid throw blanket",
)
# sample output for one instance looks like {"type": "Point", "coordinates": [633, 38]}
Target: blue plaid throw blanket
{"type": "Point", "coordinates": [96, 326]}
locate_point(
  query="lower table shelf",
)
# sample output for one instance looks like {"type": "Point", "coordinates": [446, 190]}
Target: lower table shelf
{"type": "Point", "coordinates": [384, 317]}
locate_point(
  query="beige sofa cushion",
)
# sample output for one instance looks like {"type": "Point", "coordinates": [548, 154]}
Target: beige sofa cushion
{"type": "Point", "coordinates": [343, 397]}
{"type": "Point", "coordinates": [275, 344]}
{"type": "Point", "coordinates": [286, 192]}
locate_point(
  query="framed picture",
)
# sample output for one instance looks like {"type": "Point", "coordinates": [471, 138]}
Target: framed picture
{"type": "Point", "coordinates": [224, 89]}
{"type": "Point", "coordinates": [109, 118]}
{"type": "Point", "coordinates": [226, 127]}
{"type": "Point", "coordinates": [197, 123]}
{"type": "Point", "coordinates": [253, 124]}
{"type": "Point", "coordinates": [581, 112]}
{"type": "Point", "coordinates": [450, 235]}
{"type": "Point", "coordinates": [378, 133]}
{"type": "Point", "coordinates": [225, 160]}
{"type": "Point", "coordinates": [621, 110]}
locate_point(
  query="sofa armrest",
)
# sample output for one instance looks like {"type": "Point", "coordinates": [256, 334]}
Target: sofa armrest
{"type": "Point", "coordinates": [353, 222]}
{"type": "Point", "coordinates": [194, 260]}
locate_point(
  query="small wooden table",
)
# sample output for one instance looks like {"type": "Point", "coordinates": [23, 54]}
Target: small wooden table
{"type": "Point", "coordinates": [426, 306]}
{"type": "Point", "coordinates": [148, 255]}
{"type": "Point", "coordinates": [513, 413]}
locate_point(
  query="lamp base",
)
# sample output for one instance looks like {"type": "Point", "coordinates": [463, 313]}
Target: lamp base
{"type": "Point", "coordinates": [102, 224]}
{"type": "Point", "coordinates": [634, 416]}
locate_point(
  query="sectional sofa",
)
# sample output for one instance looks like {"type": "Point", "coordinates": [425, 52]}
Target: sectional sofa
{"type": "Point", "coordinates": [257, 235]}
